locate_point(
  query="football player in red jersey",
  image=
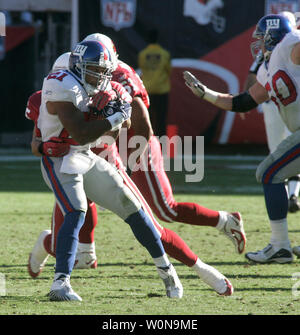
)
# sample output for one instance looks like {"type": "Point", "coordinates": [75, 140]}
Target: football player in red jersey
{"type": "Point", "coordinates": [153, 180]}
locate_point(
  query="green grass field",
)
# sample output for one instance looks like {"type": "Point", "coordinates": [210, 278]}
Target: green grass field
{"type": "Point", "coordinates": [126, 281]}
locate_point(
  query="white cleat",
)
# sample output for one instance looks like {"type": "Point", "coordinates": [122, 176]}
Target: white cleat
{"type": "Point", "coordinates": [229, 288]}
{"type": "Point", "coordinates": [61, 290]}
{"type": "Point", "coordinates": [296, 251]}
{"type": "Point", "coordinates": [172, 283]}
{"type": "Point", "coordinates": [85, 260]}
{"type": "Point", "coordinates": [38, 256]}
{"type": "Point", "coordinates": [215, 279]}
{"type": "Point", "coordinates": [271, 254]}
{"type": "Point", "coordinates": [233, 228]}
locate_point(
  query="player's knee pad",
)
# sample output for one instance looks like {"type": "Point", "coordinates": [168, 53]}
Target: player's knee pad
{"type": "Point", "coordinates": [264, 174]}
{"type": "Point", "coordinates": [126, 202]}
{"type": "Point", "coordinates": [77, 206]}
{"type": "Point", "coordinates": [269, 172]}
{"type": "Point", "coordinates": [259, 172]}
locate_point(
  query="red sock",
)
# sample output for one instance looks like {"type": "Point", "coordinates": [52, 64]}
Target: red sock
{"type": "Point", "coordinates": [195, 214]}
{"type": "Point", "coordinates": [86, 234]}
{"type": "Point", "coordinates": [176, 247]}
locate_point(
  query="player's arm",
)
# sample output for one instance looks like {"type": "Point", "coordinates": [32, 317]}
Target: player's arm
{"type": "Point", "coordinates": [295, 54]}
{"type": "Point", "coordinates": [251, 80]}
{"type": "Point", "coordinates": [35, 142]}
{"type": "Point", "coordinates": [74, 122]}
{"type": "Point", "coordinates": [140, 121]}
{"type": "Point", "coordinates": [240, 103]}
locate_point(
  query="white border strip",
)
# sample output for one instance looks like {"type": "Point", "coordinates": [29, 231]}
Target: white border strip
{"type": "Point", "coordinates": [25, 158]}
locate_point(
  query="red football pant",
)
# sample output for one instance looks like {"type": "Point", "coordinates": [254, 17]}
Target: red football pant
{"type": "Point", "coordinates": [155, 186]}
{"type": "Point", "coordinates": [86, 234]}
{"type": "Point", "coordinates": [173, 244]}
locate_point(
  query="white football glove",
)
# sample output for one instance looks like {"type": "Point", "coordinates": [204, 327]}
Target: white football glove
{"type": "Point", "coordinates": [194, 84]}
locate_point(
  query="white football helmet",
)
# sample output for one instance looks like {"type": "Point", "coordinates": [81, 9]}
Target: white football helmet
{"type": "Point", "coordinates": [297, 18]}
{"type": "Point", "coordinates": [62, 62]}
{"type": "Point", "coordinates": [290, 16]}
{"type": "Point", "coordinates": [108, 43]}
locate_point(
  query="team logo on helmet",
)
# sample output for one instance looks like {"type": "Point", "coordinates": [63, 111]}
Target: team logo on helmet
{"type": "Point", "coordinates": [79, 50]}
{"type": "Point", "coordinates": [273, 24]}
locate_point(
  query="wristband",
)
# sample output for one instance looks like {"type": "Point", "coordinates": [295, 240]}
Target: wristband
{"type": "Point", "coordinates": [210, 95]}
{"type": "Point", "coordinates": [115, 120]}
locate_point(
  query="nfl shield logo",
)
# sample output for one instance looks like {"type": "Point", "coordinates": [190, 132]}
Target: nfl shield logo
{"type": "Point", "coordinates": [277, 6]}
{"type": "Point", "coordinates": [118, 14]}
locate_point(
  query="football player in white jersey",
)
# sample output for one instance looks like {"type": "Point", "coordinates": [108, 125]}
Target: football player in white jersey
{"type": "Point", "coordinates": [80, 174]}
{"type": "Point", "coordinates": [45, 244]}
{"type": "Point", "coordinates": [276, 130]}
{"type": "Point", "coordinates": [277, 79]}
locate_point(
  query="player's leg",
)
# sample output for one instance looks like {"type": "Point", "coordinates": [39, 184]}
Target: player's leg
{"type": "Point", "coordinates": [283, 163]}
{"type": "Point", "coordinates": [176, 247]}
{"type": "Point", "coordinates": [276, 132]}
{"type": "Point", "coordinates": [105, 187]}
{"type": "Point", "coordinates": [86, 253]}
{"type": "Point", "coordinates": [69, 193]}
{"type": "Point", "coordinates": [293, 193]}
{"type": "Point", "coordinates": [43, 248]}
{"type": "Point", "coordinates": [155, 186]}
{"type": "Point", "coordinates": [275, 127]}
{"type": "Point", "coordinates": [39, 255]}
{"type": "Point", "coordinates": [46, 243]}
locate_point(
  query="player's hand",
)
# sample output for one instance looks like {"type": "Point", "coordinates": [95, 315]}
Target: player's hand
{"type": "Point", "coordinates": [194, 84]}
{"type": "Point", "coordinates": [55, 147]}
{"type": "Point", "coordinates": [102, 98]}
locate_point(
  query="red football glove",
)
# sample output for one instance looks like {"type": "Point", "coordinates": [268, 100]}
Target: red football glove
{"type": "Point", "coordinates": [102, 98]}
{"type": "Point", "coordinates": [55, 147]}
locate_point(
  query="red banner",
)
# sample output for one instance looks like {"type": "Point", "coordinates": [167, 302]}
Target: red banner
{"type": "Point", "coordinates": [224, 69]}
{"type": "Point", "coordinates": [16, 35]}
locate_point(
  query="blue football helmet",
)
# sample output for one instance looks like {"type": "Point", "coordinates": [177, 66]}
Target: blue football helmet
{"type": "Point", "coordinates": [270, 30]}
{"type": "Point", "coordinates": [93, 59]}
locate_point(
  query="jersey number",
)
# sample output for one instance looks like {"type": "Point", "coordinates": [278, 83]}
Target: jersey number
{"type": "Point", "coordinates": [57, 75]}
{"type": "Point", "coordinates": [289, 87]}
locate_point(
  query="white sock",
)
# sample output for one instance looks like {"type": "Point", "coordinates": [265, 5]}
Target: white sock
{"type": "Point", "coordinates": [222, 219]}
{"type": "Point", "coordinates": [162, 261]}
{"type": "Point", "coordinates": [86, 247]}
{"type": "Point", "coordinates": [210, 276]}
{"type": "Point", "coordinates": [294, 187]}
{"type": "Point", "coordinates": [279, 233]}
